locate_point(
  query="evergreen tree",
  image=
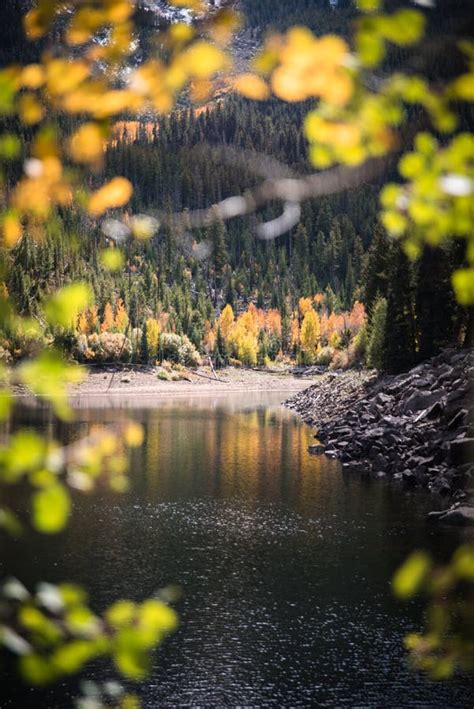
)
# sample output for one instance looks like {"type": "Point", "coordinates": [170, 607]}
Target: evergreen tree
{"type": "Point", "coordinates": [376, 277]}
{"type": "Point", "coordinates": [399, 343]}
{"type": "Point", "coordinates": [221, 354]}
{"type": "Point", "coordinates": [435, 304]}
{"type": "Point", "coordinates": [376, 344]}
{"type": "Point", "coordinates": [144, 353]}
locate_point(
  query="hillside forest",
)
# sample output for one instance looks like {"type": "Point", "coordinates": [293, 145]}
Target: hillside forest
{"type": "Point", "coordinates": [333, 291]}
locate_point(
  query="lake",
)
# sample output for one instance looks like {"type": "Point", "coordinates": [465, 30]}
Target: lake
{"type": "Point", "coordinates": [284, 561]}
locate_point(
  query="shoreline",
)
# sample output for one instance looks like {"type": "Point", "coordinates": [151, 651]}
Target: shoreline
{"type": "Point", "coordinates": [414, 428]}
{"type": "Point", "coordinates": [145, 384]}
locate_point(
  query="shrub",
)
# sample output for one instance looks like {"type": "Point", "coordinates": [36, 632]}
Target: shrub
{"type": "Point", "coordinates": [179, 349]}
{"type": "Point", "coordinates": [324, 356]}
{"type": "Point", "coordinates": [341, 360]}
{"type": "Point", "coordinates": [106, 347]}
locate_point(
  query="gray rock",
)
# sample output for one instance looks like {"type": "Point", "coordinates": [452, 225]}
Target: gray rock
{"type": "Point", "coordinates": [380, 462]}
{"type": "Point", "coordinates": [422, 400]}
{"type": "Point", "coordinates": [458, 419]}
{"type": "Point", "coordinates": [461, 451]}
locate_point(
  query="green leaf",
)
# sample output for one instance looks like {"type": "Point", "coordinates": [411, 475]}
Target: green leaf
{"type": "Point", "coordinates": [7, 93]}
{"type": "Point", "coordinates": [72, 656]}
{"type": "Point", "coordinates": [51, 508]}
{"type": "Point", "coordinates": [10, 146]}
{"type": "Point", "coordinates": [6, 401]}
{"type": "Point", "coordinates": [112, 259]}
{"type": "Point", "coordinates": [409, 577]}
{"type": "Point", "coordinates": [463, 284]}
{"type": "Point", "coordinates": [463, 563]}
{"type": "Point", "coordinates": [403, 27]}
{"type": "Point", "coordinates": [368, 5]}
{"type": "Point", "coordinates": [155, 614]}
{"type": "Point", "coordinates": [36, 670]}
{"type": "Point", "coordinates": [65, 305]}
{"type": "Point", "coordinates": [121, 613]}
{"type": "Point", "coordinates": [24, 454]}
{"type": "Point", "coordinates": [370, 48]}
{"type": "Point", "coordinates": [48, 376]}
{"type": "Point", "coordinates": [130, 654]}
{"type": "Point", "coordinates": [10, 522]}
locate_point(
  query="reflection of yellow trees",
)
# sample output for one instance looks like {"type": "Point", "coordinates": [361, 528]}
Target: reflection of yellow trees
{"type": "Point", "coordinates": [247, 455]}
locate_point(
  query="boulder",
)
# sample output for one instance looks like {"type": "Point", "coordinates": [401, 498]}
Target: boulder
{"type": "Point", "coordinates": [422, 400]}
{"type": "Point", "coordinates": [458, 419]}
{"type": "Point", "coordinates": [461, 451]}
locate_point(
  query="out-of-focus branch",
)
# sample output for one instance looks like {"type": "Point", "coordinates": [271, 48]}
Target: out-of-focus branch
{"type": "Point", "coordinates": [289, 190]}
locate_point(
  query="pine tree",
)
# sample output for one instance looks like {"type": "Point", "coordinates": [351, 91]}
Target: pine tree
{"type": "Point", "coordinates": [221, 353]}
{"type": "Point", "coordinates": [375, 275]}
{"type": "Point", "coordinates": [435, 303]}
{"type": "Point", "coordinates": [144, 352]}
{"type": "Point", "coordinates": [399, 343]}
{"type": "Point", "coordinates": [375, 347]}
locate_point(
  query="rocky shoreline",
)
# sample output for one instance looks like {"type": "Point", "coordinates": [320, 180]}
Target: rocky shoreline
{"type": "Point", "coordinates": [416, 427]}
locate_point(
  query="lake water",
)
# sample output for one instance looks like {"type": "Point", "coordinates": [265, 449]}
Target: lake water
{"type": "Point", "coordinates": [283, 560]}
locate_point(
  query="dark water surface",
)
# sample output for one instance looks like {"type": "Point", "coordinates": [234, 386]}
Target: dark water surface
{"type": "Point", "coordinates": [284, 562]}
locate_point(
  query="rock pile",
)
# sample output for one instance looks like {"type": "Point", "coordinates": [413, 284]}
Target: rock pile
{"type": "Point", "coordinates": [415, 427]}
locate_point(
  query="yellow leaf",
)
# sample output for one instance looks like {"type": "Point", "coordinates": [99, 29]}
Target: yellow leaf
{"type": "Point", "coordinates": [51, 508]}
{"type": "Point", "coordinates": [31, 111]}
{"type": "Point", "coordinates": [64, 76]}
{"type": "Point", "coordinates": [252, 86]}
{"type": "Point", "coordinates": [32, 76]}
{"type": "Point", "coordinates": [115, 193]}
{"type": "Point", "coordinates": [202, 60]}
{"type": "Point", "coordinates": [464, 87]}
{"type": "Point", "coordinates": [409, 577]}
{"type": "Point", "coordinates": [112, 259]}
{"type": "Point", "coordinates": [12, 230]}
{"type": "Point", "coordinates": [87, 144]}
{"type": "Point", "coordinates": [463, 284]}
{"type": "Point", "coordinates": [34, 25]}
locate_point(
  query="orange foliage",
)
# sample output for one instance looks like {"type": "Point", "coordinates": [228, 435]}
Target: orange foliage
{"type": "Point", "coordinates": [121, 317]}
{"type": "Point", "coordinates": [108, 319]}
{"type": "Point", "coordinates": [304, 304]}
{"type": "Point", "coordinates": [356, 318]}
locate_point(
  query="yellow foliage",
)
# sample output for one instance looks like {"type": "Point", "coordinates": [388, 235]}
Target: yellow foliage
{"type": "Point", "coordinates": [334, 340]}
{"type": "Point", "coordinates": [252, 86]}
{"type": "Point", "coordinates": [304, 305]}
{"type": "Point", "coordinates": [226, 321]}
{"type": "Point", "coordinates": [311, 67]}
{"type": "Point", "coordinates": [152, 335]}
{"type": "Point", "coordinates": [32, 76]}
{"type": "Point", "coordinates": [87, 144]}
{"type": "Point", "coordinates": [202, 60]}
{"type": "Point", "coordinates": [12, 230]}
{"type": "Point", "coordinates": [310, 332]}
{"type": "Point", "coordinates": [30, 109]}
{"type": "Point", "coordinates": [115, 193]}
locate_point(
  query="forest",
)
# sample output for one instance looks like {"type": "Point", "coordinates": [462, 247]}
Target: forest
{"type": "Point", "coordinates": [236, 321]}
{"type": "Point", "coordinates": [177, 282]}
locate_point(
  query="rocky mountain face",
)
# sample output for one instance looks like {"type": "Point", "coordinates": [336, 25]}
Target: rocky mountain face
{"type": "Point", "coordinates": [416, 427]}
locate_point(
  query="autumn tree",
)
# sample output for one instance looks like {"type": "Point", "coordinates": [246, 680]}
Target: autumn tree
{"type": "Point", "coordinates": [310, 333]}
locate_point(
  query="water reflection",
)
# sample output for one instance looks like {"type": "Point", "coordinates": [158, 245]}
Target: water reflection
{"type": "Point", "coordinates": [284, 562]}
